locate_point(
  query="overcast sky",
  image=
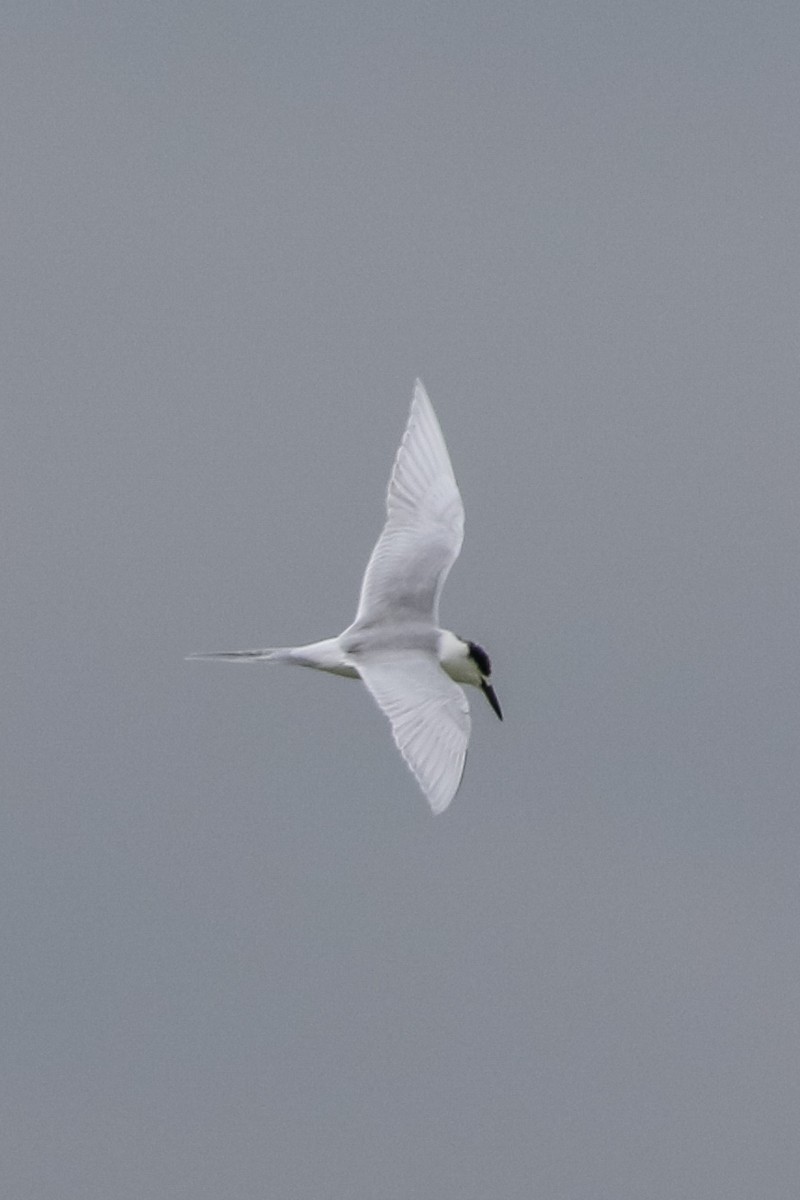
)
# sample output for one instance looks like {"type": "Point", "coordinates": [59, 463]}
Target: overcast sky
{"type": "Point", "coordinates": [241, 960]}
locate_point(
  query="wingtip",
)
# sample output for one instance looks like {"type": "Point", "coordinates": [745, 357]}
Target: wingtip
{"type": "Point", "coordinates": [441, 803]}
{"type": "Point", "coordinates": [422, 409]}
{"type": "Point", "coordinates": [420, 391]}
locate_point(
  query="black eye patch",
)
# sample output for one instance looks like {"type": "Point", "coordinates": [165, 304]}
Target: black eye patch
{"type": "Point", "coordinates": [481, 658]}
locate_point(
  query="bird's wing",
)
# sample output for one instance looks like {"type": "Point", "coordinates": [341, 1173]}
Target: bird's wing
{"type": "Point", "coordinates": [424, 527]}
{"type": "Point", "coordinates": [429, 716]}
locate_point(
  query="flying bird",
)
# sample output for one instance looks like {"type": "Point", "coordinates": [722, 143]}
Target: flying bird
{"type": "Point", "coordinates": [411, 667]}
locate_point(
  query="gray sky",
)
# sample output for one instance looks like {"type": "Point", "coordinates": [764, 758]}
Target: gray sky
{"type": "Point", "coordinates": [241, 959]}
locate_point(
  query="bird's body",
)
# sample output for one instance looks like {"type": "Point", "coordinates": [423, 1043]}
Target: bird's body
{"type": "Point", "coordinates": [339, 655]}
{"type": "Point", "coordinates": [410, 665]}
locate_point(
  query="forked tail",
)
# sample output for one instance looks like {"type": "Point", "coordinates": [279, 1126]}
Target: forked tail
{"type": "Point", "coordinates": [273, 654]}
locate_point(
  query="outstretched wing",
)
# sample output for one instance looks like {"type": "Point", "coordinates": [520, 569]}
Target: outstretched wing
{"type": "Point", "coordinates": [424, 528]}
{"type": "Point", "coordinates": [429, 716]}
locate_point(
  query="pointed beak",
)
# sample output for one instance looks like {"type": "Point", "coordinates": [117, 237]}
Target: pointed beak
{"type": "Point", "coordinates": [489, 693]}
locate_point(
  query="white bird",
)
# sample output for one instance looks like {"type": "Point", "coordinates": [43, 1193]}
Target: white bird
{"type": "Point", "coordinates": [408, 663]}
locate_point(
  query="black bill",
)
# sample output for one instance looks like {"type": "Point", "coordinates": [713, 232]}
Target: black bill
{"type": "Point", "coordinates": [489, 693]}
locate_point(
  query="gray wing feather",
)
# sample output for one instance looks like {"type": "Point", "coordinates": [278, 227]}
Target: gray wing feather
{"type": "Point", "coordinates": [429, 716]}
{"type": "Point", "coordinates": [424, 528]}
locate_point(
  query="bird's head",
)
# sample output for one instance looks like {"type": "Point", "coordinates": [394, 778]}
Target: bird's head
{"type": "Point", "coordinates": [467, 662]}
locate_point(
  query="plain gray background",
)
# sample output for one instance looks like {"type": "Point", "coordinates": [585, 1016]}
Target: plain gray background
{"type": "Point", "coordinates": [240, 958]}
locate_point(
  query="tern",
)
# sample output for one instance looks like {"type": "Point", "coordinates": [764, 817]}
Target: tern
{"type": "Point", "coordinates": [411, 667]}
